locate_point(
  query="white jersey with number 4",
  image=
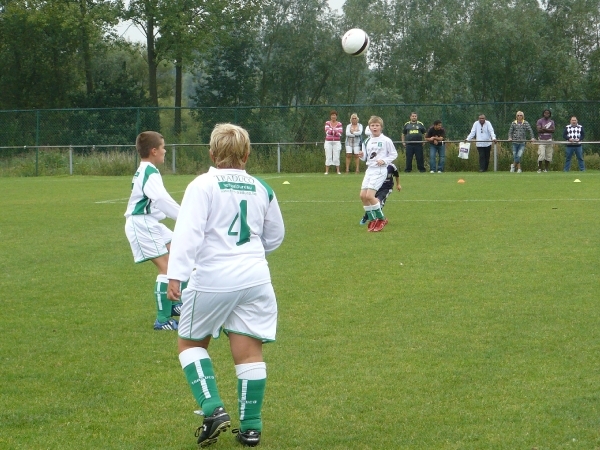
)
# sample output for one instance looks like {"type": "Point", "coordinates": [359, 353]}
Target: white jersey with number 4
{"type": "Point", "coordinates": [227, 223]}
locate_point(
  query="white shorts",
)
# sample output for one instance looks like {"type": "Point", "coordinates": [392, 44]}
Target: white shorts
{"type": "Point", "coordinates": [353, 149]}
{"type": "Point", "coordinates": [250, 312]}
{"type": "Point", "coordinates": [147, 237]}
{"type": "Point", "coordinates": [332, 153]}
{"type": "Point", "coordinates": [374, 177]}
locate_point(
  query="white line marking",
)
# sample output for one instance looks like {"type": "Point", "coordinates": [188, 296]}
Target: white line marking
{"type": "Point", "coordinates": [454, 200]}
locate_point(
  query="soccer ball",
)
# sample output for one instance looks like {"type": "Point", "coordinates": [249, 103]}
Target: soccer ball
{"type": "Point", "coordinates": [355, 42]}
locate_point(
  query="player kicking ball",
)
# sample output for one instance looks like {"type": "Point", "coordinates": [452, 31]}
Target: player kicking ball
{"type": "Point", "coordinates": [228, 222]}
{"type": "Point", "coordinates": [148, 204]}
{"type": "Point", "coordinates": [378, 152]}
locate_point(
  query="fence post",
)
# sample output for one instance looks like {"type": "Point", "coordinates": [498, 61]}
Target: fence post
{"type": "Point", "coordinates": [37, 128]}
{"type": "Point", "coordinates": [137, 122]}
{"type": "Point", "coordinates": [496, 157]}
{"type": "Point", "coordinates": [70, 160]}
{"type": "Point", "coordinates": [37, 149]}
{"type": "Point", "coordinates": [278, 157]}
{"type": "Point", "coordinates": [173, 159]}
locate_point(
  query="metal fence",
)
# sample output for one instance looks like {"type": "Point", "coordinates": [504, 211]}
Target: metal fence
{"type": "Point", "coordinates": [120, 126]}
{"type": "Point", "coordinates": [115, 129]}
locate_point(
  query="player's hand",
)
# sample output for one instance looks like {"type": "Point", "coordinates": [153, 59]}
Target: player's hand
{"type": "Point", "coordinates": [399, 187]}
{"type": "Point", "coordinates": [380, 162]}
{"type": "Point", "coordinates": [360, 154]}
{"type": "Point", "coordinates": [173, 290]}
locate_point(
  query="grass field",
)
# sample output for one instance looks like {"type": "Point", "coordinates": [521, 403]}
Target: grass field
{"type": "Point", "coordinates": [470, 322]}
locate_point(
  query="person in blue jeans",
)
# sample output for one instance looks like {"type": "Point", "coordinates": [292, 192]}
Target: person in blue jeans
{"type": "Point", "coordinates": [436, 136]}
{"type": "Point", "coordinates": [517, 134]}
{"type": "Point", "coordinates": [573, 133]}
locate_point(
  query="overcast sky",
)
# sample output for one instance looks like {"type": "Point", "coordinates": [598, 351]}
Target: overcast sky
{"type": "Point", "coordinates": [130, 32]}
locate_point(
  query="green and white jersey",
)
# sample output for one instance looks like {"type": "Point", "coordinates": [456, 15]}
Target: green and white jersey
{"type": "Point", "coordinates": [228, 222]}
{"type": "Point", "coordinates": [149, 196]}
{"type": "Point", "coordinates": [376, 148]}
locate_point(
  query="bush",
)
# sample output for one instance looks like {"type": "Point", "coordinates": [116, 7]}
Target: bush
{"type": "Point", "coordinates": [295, 158]}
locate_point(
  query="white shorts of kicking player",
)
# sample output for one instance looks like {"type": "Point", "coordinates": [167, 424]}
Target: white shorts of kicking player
{"type": "Point", "coordinates": [374, 177]}
{"type": "Point", "coordinates": [148, 238]}
{"type": "Point", "coordinates": [249, 312]}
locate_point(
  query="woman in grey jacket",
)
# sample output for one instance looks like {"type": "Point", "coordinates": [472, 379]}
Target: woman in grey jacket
{"type": "Point", "coordinates": [518, 132]}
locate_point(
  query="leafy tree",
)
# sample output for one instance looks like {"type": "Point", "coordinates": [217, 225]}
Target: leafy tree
{"type": "Point", "coordinates": [37, 49]}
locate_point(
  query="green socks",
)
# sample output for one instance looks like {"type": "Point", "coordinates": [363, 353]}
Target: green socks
{"type": "Point", "coordinates": [163, 304]}
{"type": "Point", "coordinates": [252, 379]}
{"type": "Point", "coordinates": [200, 375]}
{"type": "Point", "coordinates": [374, 212]}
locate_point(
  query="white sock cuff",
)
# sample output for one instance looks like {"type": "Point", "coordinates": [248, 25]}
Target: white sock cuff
{"type": "Point", "coordinates": [368, 208]}
{"type": "Point", "coordinates": [251, 371]}
{"type": "Point", "coordinates": [192, 355]}
{"type": "Point", "coordinates": [162, 279]}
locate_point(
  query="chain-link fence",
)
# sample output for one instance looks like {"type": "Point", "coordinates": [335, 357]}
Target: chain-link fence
{"type": "Point", "coordinates": [41, 139]}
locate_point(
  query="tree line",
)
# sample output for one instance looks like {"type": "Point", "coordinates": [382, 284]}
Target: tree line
{"type": "Point", "coordinates": [66, 54]}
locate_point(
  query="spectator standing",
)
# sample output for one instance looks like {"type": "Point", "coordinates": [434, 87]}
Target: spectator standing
{"type": "Point", "coordinates": [483, 132]}
{"type": "Point", "coordinates": [353, 142]}
{"type": "Point", "coordinates": [333, 144]}
{"type": "Point", "coordinates": [436, 136]}
{"type": "Point", "coordinates": [574, 134]}
{"type": "Point", "coordinates": [545, 128]}
{"type": "Point", "coordinates": [518, 132]}
{"type": "Point", "coordinates": [412, 137]}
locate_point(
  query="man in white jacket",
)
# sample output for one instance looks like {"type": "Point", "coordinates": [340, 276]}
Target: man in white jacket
{"type": "Point", "coordinates": [229, 220]}
{"type": "Point", "coordinates": [483, 132]}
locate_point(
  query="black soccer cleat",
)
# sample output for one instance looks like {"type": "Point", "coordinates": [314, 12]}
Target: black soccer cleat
{"type": "Point", "coordinates": [212, 426]}
{"type": "Point", "coordinates": [248, 438]}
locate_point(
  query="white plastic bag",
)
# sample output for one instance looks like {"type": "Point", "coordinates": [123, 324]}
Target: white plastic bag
{"type": "Point", "coordinates": [463, 150]}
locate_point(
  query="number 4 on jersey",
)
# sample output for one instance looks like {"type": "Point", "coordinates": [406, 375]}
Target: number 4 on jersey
{"type": "Point", "coordinates": [244, 233]}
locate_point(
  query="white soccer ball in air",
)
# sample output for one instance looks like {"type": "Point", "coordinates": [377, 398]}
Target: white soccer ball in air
{"type": "Point", "coordinates": [355, 42]}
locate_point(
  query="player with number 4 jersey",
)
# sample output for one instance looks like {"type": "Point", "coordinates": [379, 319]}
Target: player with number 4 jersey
{"type": "Point", "coordinates": [228, 221]}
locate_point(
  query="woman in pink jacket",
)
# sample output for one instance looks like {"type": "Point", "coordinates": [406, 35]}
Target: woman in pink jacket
{"type": "Point", "coordinates": [333, 143]}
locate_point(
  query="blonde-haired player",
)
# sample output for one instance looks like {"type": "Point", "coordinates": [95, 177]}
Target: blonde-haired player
{"type": "Point", "coordinates": [378, 152]}
{"type": "Point", "coordinates": [149, 239]}
{"type": "Point", "coordinates": [228, 222]}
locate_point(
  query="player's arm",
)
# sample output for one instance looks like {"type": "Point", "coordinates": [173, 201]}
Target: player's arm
{"type": "Point", "coordinates": [362, 154]}
{"type": "Point", "coordinates": [396, 176]}
{"type": "Point", "coordinates": [187, 238]}
{"type": "Point", "coordinates": [273, 228]}
{"type": "Point", "coordinates": [161, 200]}
{"type": "Point", "coordinates": [392, 153]}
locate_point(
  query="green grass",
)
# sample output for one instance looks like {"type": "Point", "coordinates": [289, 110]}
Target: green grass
{"type": "Point", "coordinates": [470, 322]}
